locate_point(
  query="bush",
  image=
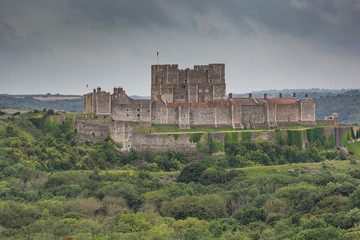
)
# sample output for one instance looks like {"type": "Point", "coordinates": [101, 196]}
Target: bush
{"type": "Point", "coordinates": [191, 173]}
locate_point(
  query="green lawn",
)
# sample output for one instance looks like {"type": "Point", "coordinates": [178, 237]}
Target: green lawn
{"type": "Point", "coordinates": [166, 129]}
{"type": "Point", "coordinates": [269, 170]}
{"type": "Point", "coordinates": [354, 148]}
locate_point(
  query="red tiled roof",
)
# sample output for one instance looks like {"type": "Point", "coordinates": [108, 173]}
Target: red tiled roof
{"type": "Point", "coordinates": [282, 100]}
{"type": "Point", "coordinates": [243, 101]}
{"type": "Point", "coordinates": [213, 104]}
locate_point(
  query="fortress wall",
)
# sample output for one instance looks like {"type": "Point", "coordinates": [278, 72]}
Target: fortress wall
{"type": "Point", "coordinates": [254, 114]}
{"type": "Point", "coordinates": [223, 117]}
{"type": "Point", "coordinates": [158, 113]}
{"type": "Point", "coordinates": [236, 116]}
{"type": "Point", "coordinates": [216, 73]}
{"type": "Point", "coordinates": [163, 143]}
{"type": "Point", "coordinates": [184, 117]}
{"type": "Point", "coordinates": [271, 113]}
{"type": "Point", "coordinates": [172, 116]}
{"type": "Point", "coordinates": [327, 122]}
{"type": "Point", "coordinates": [197, 77]}
{"type": "Point", "coordinates": [202, 117]}
{"type": "Point", "coordinates": [91, 130]}
{"type": "Point", "coordinates": [103, 101]}
{"type": "Point", "coordinates": [180, 92]}
{"type": "Point", "coordinates": [219, 91]}
{"type": "Point", "coordinates": [307, 110]}
{"type": "Point", "coordinates": [122, 132]}
{"type": "Point", "coordinates": [145, 113]}
{"type": "Point", "coordinates": [193, 93]}
{"type": "Point", "coordinates": [266, 136]}
{"type": "Point", "coordinates": [287, 113]}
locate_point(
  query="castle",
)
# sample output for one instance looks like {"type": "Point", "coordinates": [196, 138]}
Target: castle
{"type": "Point", "coordinates": [197, 97]}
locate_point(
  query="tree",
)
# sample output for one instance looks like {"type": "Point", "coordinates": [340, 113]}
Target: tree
{"type": "Point", "coordinates": [191, 173]}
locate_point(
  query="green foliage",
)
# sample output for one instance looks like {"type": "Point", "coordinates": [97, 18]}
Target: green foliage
{"type": "Point", "coordinates": [250, 214]}
{"type": "Point", "coordinates": [353, 136]}
{"type": "Point", "coordinates": [354, 149]}
{"type": "Point", "coordinates": [345, 138]}
{"type": "Point", "coordinates": [315, 135]}
{"type": "Point", "coordinates": [205, 207]}
{"type": "Point", "coordinates": [191, 173]}
{"type": "Point", "coordinates": [230, 138]}
{"type": "Point", "coordinates": [246, 136]}
{"type": "Point", "coordinates": [132, 223]}
{"type": "Point", "coordinates": [176, 136]}
{"type": "Point", "coordinates": [280, 138]}
{"type": "Point", "coordinates": [216, 146]}
{"type": "Point", "coordinates": [295, 138]}
{"type": "Point", "coordinates": [195, 137]}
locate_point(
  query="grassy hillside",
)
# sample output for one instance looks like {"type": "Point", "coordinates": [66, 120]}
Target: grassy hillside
{"type": "Point", "coordinates": [50, 188]}
{"type": "Point", "coordinates": [347, 106]}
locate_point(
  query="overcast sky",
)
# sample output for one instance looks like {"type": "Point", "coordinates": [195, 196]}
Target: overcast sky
{"type": "Point", "coordinates": [53, 46]}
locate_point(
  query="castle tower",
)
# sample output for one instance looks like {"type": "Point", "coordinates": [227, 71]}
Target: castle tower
{"type": "Point", "coordinates": [188, 85]}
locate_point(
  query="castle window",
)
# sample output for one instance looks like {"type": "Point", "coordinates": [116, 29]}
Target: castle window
{"type": "Point", "coordinates": [128, 109]}
{"type": "Point", "coordinates": [154, 110]}
{"type": "Point", "coordinates": [138, 109]}
{"type": "Point", "coordinates": [202, 116]}
{"type": "Point", "coordinates": [153, 117]}
{"type": "Point", "coordinates": [166, 91]}
{"type": "Point", "coordinates": [206, 90]}
{"type": "Point", "coordinates": [200, 90]}
{"type": "Point", "coordinates": [127, 115]}
{"type": "Point", "coordinates": [184, 116]}
{"type": "Point", "coordinates": [184, 86]}
{"type": "Point", "coordinates": [138, 115]}
{"type": "Point", "coordinates": [93, 134]}
{"type": "Point", "coordinates": [182, 96]}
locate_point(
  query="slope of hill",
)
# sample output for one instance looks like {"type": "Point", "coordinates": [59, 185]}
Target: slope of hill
{"type": "Point", "coordinates": [50, 188]}
{"type": "Point", "coordinates": [347, 106]}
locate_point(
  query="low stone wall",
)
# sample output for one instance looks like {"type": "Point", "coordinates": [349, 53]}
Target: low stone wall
{"type": "Point", "coordinates": [123, 132]}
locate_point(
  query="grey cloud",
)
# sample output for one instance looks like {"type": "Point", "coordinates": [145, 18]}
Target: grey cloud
{"type": "Point", "coordinates": [124, 13]}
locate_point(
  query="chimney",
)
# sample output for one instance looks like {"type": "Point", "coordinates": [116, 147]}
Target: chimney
{"type": "Point", "coordinates": [306, 95]}
{"type": "Point", "coordinates": [98, 89]}
{"type": "Point", "coordinates": [294, 95]}
{"type": "Point", "coordinates": [94, 91]}
{"type": "Point", "coordinates": [230, 95]}
{"type": "Point", "coordinates": [280, 95]}
{"type": "Point", "coordinates": [250, 95]}
{"type": "Point", "coordinates": [265, 96]}
{"type": "Point", "coordinates": [115, 90]}
{"type": "Point", "coordinates": [202, 98]}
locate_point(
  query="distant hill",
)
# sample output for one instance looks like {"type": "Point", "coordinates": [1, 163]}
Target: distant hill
{"type": "Point", "coordinates": [346, 102]}
{"type": "Point", "coordinates": [347, 106]}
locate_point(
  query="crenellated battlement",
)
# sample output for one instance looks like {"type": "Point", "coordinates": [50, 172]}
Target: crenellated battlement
{"type": "Point", "coordinates": [188, 85]}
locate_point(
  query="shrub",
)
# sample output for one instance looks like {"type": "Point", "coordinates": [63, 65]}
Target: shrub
{"type": "Point", "coordinates": [246, 136]}
{"type": "Point", "coordinates": [191, 173]}
{"type": "Point", "coordinates": [195, 137]}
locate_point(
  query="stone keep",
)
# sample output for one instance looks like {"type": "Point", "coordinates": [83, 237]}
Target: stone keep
{"type": "Point", "coordinates": [197, 97]}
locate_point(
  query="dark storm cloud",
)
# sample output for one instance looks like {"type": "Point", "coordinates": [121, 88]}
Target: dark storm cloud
{"type": "Point", "coordinates": [330, 22]}
{"type": "Point", "coordinates": [12, 45]}
{"type": "Point", "coordinates": [124, 13]}
{"type": "Point", "coordinates": [265, 43]}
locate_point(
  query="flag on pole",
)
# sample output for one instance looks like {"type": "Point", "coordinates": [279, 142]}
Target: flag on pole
{"type": "Point", "coordinates": [87, 85]}
{"type": "Point", "coordinates": [157, 53]}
